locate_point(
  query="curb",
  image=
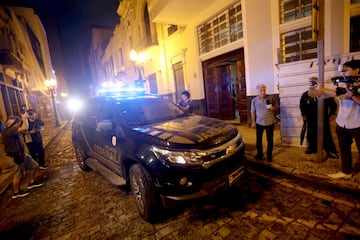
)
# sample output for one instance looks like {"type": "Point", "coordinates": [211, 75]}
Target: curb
{"type": "Point", "coordinates": [336, 184]}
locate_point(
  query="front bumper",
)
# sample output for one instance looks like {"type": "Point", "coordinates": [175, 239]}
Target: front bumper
{"type": "Point", "coordinates": [209, 189]}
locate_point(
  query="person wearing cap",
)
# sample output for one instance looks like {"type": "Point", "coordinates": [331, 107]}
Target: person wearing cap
{"type": "Point", "coordinates": [33, 139]}
{"type": "Point", "coordinates": [263, 107]}
{"type": "Point", "coordinates": [308, 109]}
{"type": "Point", "coordinates": [14, 148]}
{"type": "Point", "coordinates": [347, 120]}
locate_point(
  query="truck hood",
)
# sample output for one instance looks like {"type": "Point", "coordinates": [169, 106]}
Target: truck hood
{"type": "Point", "coordinates": [192, 131]}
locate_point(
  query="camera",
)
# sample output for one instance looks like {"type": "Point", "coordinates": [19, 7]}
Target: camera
{"type": "Point", "coordinates": [352, 83]}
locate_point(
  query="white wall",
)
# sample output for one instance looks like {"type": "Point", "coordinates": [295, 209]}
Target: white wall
{"type": "Point", "coordinates": [258, 46]}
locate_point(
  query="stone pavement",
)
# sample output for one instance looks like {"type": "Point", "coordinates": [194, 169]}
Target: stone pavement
{"type": "Point", "coordinates": [286, 159]}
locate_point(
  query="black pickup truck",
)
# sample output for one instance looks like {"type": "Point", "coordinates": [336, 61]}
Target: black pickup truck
{"type": "Point", "coordinates": [164, 154]}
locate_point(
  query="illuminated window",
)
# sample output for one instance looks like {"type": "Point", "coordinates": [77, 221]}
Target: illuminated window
{"type": "Point", "coordinates": [295, 31]}
{"type": "Point", "coordinates": [294, 9]}
{"type": "Point", "coordinates": [222, 29]}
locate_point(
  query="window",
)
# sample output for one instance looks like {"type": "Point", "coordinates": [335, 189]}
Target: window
{"type": "Point", "coordinates": [172, 29]}
{"type": "Point", "coordinates": [298, 45]}
{"type": "Point", "coordinates": [355, 26]}
{"type": "Point", "coordinates": [224, 28]}
{"type": "Point", "coordinates": [295, 31]}
{"type": "Point", "coordinates": [355, 34]}
{"type": "Point", "coordinates": [147, 26]}
{"type": "Point", "coordinates": [295, 9]}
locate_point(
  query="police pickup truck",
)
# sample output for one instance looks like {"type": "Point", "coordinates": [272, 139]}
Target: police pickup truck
{"type": "Point", "coordinates": [151, 145]}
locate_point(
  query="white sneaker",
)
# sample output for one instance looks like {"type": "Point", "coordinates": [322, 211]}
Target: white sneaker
{"type": "Point", "coordinates": [339, 175]}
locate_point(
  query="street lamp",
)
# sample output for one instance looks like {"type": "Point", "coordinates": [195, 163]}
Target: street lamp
{"type": "Point", "coordinates": [135, 57]}
{"type": "Point", "coordinates": [51, 84]}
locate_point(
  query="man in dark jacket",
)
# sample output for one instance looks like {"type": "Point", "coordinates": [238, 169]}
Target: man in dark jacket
{"type": "Point", "coordinates": [308, 108]}
{"type": "Point", "coordinates": [34, 140]}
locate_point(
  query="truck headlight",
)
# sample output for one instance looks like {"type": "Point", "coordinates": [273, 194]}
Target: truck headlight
{"type": "Point", "coordinates": [178, 157]}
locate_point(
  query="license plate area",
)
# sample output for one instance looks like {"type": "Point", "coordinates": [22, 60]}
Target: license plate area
{"type": "Point", "coordinates": [234, 176]}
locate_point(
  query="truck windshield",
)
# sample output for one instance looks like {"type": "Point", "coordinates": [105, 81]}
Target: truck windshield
{"type": "Point", "coordinates": [146, 111]}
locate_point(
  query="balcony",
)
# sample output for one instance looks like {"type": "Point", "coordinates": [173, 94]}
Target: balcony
{"type": "Point", "coordinates": [186, 11]}
{"type": "Point", "coordinates": [8, 59]}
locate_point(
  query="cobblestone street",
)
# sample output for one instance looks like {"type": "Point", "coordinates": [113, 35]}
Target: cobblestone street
{"type": "Point", "coordinates": [77, 205]}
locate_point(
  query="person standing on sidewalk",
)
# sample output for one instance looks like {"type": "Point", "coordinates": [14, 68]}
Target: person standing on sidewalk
{"type": "Point", "coordinates": [15, 149]}
{"type": "Point", "coordinates": [308, 109]}
{"type": "Point", "coordinates": [348, 118]}
{"type": "Point", "coordinates": [34, 140]}
{"type": "Point", "coordinates": [263, 108]}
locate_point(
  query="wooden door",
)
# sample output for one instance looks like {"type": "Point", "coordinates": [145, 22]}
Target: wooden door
{"type": "Point", "coordinates": [218, 92]}
{"type": "Point", "coordinates": [241, 90]}
{"type": "Point", "coordinates": [211, 92]}
{"type": "Point", "coordinates": [225, 93]}
{"type": "Point", "coordinates": [219, 79]}
{"type": "Point", "coordinates": [179, 80]}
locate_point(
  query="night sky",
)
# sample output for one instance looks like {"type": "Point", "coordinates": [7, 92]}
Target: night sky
{"type": "Point", "coordinates": [74, 18]}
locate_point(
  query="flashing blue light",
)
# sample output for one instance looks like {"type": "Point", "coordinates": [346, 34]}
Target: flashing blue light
{"type": "Point", "coordinates": [120, 92]}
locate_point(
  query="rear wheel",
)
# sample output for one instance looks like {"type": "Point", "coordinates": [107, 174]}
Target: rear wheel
{"type": "Point", "coordinates": [80, 158]}
{"type": "Point", "coordinates": [147, 200]}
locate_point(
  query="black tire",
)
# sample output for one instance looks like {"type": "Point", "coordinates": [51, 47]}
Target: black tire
{"type": "Point", "coordinates": [80, 158]}
{"type": "Point", "coordinates": [147, 200]}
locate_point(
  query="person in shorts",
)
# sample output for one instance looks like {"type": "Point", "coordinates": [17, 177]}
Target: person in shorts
{"type": "Point", "coordinates": [14, 148]}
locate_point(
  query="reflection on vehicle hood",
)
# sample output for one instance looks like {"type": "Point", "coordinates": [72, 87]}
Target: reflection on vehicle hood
{"type": "Point", "coordinates": [191, 130]}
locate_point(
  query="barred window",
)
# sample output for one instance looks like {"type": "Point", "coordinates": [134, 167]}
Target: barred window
{"type": "Point", "coordinates": [298, 45]}
{"type": "Point", "coordinates": [224, 28]}
{"type": "Point", "coordinates": [294, 9]}
{"type": "Point", "coordinates": [295, 31]}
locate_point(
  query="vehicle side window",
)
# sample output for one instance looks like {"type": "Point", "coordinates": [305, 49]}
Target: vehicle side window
{"type": "Point", "coordinates": [105, 113]}
{"type": "Point", "coordinates": [105, 118]}
{"type": "Point", "coordinates": [89, 117]}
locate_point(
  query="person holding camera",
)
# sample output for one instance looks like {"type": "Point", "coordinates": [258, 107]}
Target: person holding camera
{"type": "Point", "coordinates": [14, 148]}
{"type": "Point", "coordinates": [308, 109]}
{"type": "Point", "coordinates": [348, 117]}
{"type": "Point", "coordinates": [263, 107]}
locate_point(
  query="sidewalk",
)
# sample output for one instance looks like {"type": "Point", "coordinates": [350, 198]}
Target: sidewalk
{"type": "Point", "coordinates": [286, 159]}
{"type": "Point", "coordinates": [6, 163]}
{"type": "Point", "coordinates": [293, 161]}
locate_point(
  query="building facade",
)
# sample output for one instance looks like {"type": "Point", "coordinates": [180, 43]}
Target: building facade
{"type": "Point", "coordinates": [25, 62]}
{"type": "Point", "coordinates": [221, 50]}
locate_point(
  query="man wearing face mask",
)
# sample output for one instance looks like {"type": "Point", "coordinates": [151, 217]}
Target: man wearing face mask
{"type": "Point", "coordinates": [348, 117]}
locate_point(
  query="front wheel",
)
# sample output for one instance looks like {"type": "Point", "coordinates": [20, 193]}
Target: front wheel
{"type": "Point", "coordinates": [80, 158]}
{"type": "Point", "coordinates": [147, 200]}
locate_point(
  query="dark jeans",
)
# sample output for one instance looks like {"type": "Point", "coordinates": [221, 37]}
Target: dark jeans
{"type": "Point", "coordinates": [269, 137]}
{"type": "Point", "coordinates": [312, 134]}
{"type": "Point", "coordinates": [328, 142]}
{"type": "Point", "coordinates": [37, 152]}
{"type": "Point", "coordinates": [345, 137]}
